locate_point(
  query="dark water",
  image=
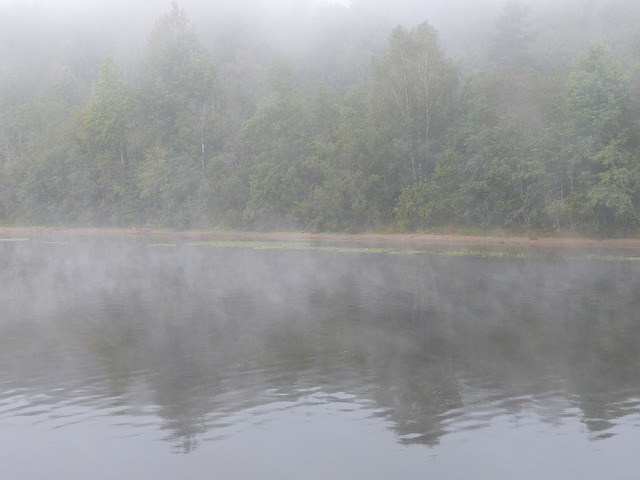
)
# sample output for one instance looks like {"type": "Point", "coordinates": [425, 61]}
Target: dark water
{"type": "Point", "coordinates": [125, 359]}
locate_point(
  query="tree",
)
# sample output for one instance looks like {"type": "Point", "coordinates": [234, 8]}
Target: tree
{"type": "Point", "coordinates": [598, 97]}
{"type": "Point", "coordinates": [412, 86]}
{"type": "Point", "coordinates": [168, 189]}
{"type": "Point", "coordinates": [108, 113]}
{"type": "Point", "coordinates": [598, 91]}
{"type": "Point", "coordinates": [617, 190]}
{"type": "Point", "coordinates": [36, 183]}
{"type": "Point", "coordinates": [179, 87]}
{"type": "Point", "coordinates": [104, 130]}
{"type": "Point", "coordinates": [178, 98]}
{"type": "Point", "coordinates": [504, 166]}
{"type": "Point", "coordinates": [356, 192]}
{"type": "Point", "coordinates": [513, 41]}
{"type": "Point", "coordinates": [277, 142]}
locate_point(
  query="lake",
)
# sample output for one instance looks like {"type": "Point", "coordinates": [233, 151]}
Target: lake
{"type": "Point", "coordinates": [161, 359]}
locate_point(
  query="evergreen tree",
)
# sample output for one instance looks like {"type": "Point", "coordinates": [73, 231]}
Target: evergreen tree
{"type": "Point", "coordinates": [512, 44]}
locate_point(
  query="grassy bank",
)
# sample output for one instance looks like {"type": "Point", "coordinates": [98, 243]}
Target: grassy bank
{"type": "Point", "coordinates": [373, 239]}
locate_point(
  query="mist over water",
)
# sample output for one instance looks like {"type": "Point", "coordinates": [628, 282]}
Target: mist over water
{"type": "Point", "coordinates": [345, 363]}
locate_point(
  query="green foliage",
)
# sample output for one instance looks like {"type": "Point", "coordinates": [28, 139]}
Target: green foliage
{"type": "Point", "coordinates": [179, 85]}
{"type": "Point", "coordinates": [598, 92]}
{"type": "Point", "coordinates": [104, 126]}
{"type": "Point", "coordinates": [108, 113]}
{"type": "Point", "coordinates": [413, 84]}
{"type": "Point", "coordinates": [345, 202]}
{"type": "Point", "coordinates": [618, 185]}
{"type": "Point", "coordinates": [168, 188]}
{"type": "Point", "coordinates": [505, 154]}
{"type": "Point", "coordinates": [255, 135]}
{"type": "Point", "coordinates": [514, 37]}
{"type": "Point", "coordinates": [277, 143]}
{"type": "Point", "coordinates": [415, 206]}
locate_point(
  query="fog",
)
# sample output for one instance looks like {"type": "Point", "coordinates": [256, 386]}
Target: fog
{"type": "Point", "coordinates": [202, 339]}
{"type": "Point", "coordinates": [474, 116]}
{"type": "Point", "coordinates": [287, 22]}
{"type": "Point", "coordinates": [460, 23]}
{"type": "Point", "coordinates": [313, 116]}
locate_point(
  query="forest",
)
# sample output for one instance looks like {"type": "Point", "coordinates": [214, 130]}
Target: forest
{"type": "Point", "coordinates": [371, 115]}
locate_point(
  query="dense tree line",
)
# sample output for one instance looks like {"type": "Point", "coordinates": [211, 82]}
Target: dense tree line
{"type": "Point", "coordinates": [350, 127]}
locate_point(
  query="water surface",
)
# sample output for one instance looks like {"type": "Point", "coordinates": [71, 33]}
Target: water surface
{"type": "Point", "coordinates": [135, 358]}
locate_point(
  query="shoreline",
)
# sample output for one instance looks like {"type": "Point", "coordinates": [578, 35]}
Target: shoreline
{"type": "Point", "coordinates": [417, 239]}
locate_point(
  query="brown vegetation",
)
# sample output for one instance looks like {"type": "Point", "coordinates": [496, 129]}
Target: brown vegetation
{"type": "Point", "coordinates": [416, 239]}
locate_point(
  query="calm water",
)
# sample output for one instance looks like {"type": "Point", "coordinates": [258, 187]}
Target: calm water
{"type": "Point", "coordinates": [129, 359]}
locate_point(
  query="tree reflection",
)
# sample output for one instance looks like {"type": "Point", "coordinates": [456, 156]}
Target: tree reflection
{"type": "Point", "coordinates": [437, 344]}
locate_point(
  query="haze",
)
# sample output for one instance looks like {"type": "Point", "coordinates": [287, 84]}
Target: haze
{"type": "Point", "coordinates": [322, 115]}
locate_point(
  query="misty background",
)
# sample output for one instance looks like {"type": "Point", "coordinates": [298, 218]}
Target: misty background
{"type": "Point", "coordinates": [321, 115]}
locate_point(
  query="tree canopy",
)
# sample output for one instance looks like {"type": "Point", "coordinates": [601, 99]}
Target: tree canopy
{"type": "Point", "coordinates": [346, 120]}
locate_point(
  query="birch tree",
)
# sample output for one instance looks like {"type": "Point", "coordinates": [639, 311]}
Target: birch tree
{"type": "Point", "coordinates": [413, 84]}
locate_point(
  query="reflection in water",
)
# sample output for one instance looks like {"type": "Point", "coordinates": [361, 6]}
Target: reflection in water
{"type": "Point", "coordinates": [210, 339]}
